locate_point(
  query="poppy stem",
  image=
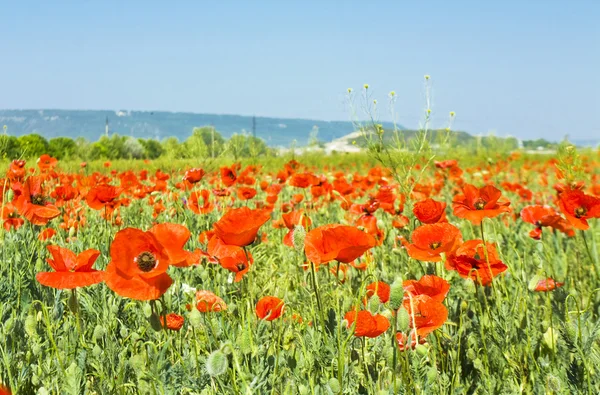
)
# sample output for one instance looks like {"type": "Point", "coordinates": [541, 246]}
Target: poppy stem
{"type": "Point", "coordinates": [395, 348]}
{"type": "Point", "coordinates": [587, 249]}
{"type": "Point", "coordinates": [316, 288]}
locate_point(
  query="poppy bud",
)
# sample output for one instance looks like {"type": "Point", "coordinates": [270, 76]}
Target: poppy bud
{"type": "Point", "coordinates": [245, 342]}
{"type": "Point", "coordinates": [303, 390]}
{"type": "Point", "coordinates": [396, 294]}
{"type": "Point", "coordinates": [374, 303]}
{"type": "Point", "coordinates": [147, 310]}
{"type": "Point", "coordinates": [195, 318]}
{"type": "Point", "coordinates": [97, 351]}
{"type": "Point", "coordinates": [72, 231]}
{"type": "Point", "coordinates": [298, 237]}
{"type": "Point", "coordinates": [422, 349]}
{"type": "Point", "coordinates": [334, 385]}
{"type": "Point", "coordinates": [216, 363]}
{"type": "Point", "coordinates": [99, 332]}
{"type": "Point", "coordinates": [9, 195]}
{"type": "Point", "coordinates": [403, 320]}
{"type": "Point", "coordinates": [31, 326]}
{"type": "Point", "coordinates": [550, 338]}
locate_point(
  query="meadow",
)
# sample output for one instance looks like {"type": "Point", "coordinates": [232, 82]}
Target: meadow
{"type": "Point", "coordinates": [389, 271]}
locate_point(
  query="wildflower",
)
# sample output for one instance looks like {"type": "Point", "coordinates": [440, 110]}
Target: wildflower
{"type": "Point", "coordinates": [239, 227]}
{"type": "Point", "coordinates": [102, 195]}
{"type": "Point", "coordinates": [31, 202]}
{"type": "Point", "coordinates": [379, 288]}
{"type": "Point", "coordinates": [579, 207]}
{"type": "Point", "coordinates": [473, 260]}
{"type": "Point", "coordinates": [269, 308]}
{"type": "Point", "coordinates": [431, 241]}
{"type": "Point", "coordinates": [172, 321]}
{"type": "Point", "coordinates": [70, 270]}
{"type": "Point", "coordinates": [207, 301]}
{"type": "Point", "coordinates": [196, 197]}
{"type": "Point", "coordinates": [547, 284]}
{"type": "Point", "coordinates": [476, 204]}
{"type": "Point", "coordinates": [433, 286]}
{"type": "Point", "coordinates": [138, 265]}
{"type": "Point", "coordinates": [367, 324]}
{"type": "Point", "coordinates": [336, 242]}
{"type": "Point", "coordinates": [430, 211]}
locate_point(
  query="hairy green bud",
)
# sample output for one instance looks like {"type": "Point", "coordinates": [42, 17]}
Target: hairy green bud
{"type": "Point", "coordinates": [216, 363]}
{"type": "Point", "coordinates": [396, 294]}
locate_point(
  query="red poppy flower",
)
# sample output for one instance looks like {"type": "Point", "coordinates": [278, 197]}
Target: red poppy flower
{"type": "Point", "coordinates": [194, 175]}
{"type": "Point", "coordinates": [430, 211]}
{"type": "Point", "coordinates": [102, 195]}
{"type": "Point", "coordinates": [245, 193]}
{"type": "Point", "coordinates": [269, 308]}
{"type": "Point", "coordinates": [173, 237]}
{"type": "Point", "coordinates": [433, 286]}
{"type": "Point", "coordinates": [379, 288]}
{"type": "Point", "coordinates": [31, 202]}
{"type": "Point", "coordinates": [16, 170]}
{"type": "Point", "coordinates": [430, 241]}
{"type": "Point", "coordinates": [228, 176]}
{"type": "Point", "coordinates": [230, 257]}
{"type": "Point", "coordinates": [445, 164]}
{"type": "Point", "coordinates": [469, 260]}
{"type": "Point", "coordinates": [174, 321]}
{"type": "Point", "coordinates": [207, 301]}
{"type": "Point", "coordinates": [541, 216]}
{"type": "Point", "coordinates": [303, 180]}
{"type": "Point", "coordinates": [579, 207]}
{"type": "Point", "coordinates": [70, 270]}
{"type": "Point", "coordinates": [476, 204]}
{"type": "Point", "coordinates": [290, 220]}
{"type": "Point", "coordinates": [367, 324]}
{"type": "Point", "coordinates": [426, 314]}
{"type": "Point", "coordinates": [138, 266]}
{"type": "Point", "coordinates": [547, 284]}
{"type": "Point", "coordinates": [341, 243]}
{"type": "Point", "coordinates": [10, 216]}
{"type": "Point", "coordinates": [239, 226]}
{"type": "Point", "coordinates": [46, 163]}
{"type": "Point", "coordinates": [196, 197]}
{"type": "Point", "coordinates": [46, 234]}
{"type": "Point", "coordinates": [4, 390]}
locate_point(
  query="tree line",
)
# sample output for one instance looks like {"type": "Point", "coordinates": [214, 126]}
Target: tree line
{"type": "Point", "coordinates": [203, 142]}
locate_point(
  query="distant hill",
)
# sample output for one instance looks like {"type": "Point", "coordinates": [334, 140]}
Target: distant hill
{"type": "Point", "coordinates": [159, 124]}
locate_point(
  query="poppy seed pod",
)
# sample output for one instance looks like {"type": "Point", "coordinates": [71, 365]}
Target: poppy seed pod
{"type": "Point", "coordinates": [396, 294]}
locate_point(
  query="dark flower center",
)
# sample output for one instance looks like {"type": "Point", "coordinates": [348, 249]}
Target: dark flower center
{"type": "Point", "coordinates": [38, 199]}
{"type": "Point", "coordinates": [241, 266]}
{"type": "Point", "coordinates": [479, 204]}
{"type": "Point", "coordinates": [146, 261]}
{"type": "Point", "coordinates": [580, 212]}
{"type": "Point", "coordinates": [435, 245]}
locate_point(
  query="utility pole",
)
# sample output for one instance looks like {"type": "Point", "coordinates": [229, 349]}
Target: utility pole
{"type": "Point", "coordinates": [254, 126]}
{"type": "Point", "coordinates": [106, 127]}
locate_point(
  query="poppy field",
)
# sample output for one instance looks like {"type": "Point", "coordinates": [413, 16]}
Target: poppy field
{"type": "Point", "coordinates": [367, 274]}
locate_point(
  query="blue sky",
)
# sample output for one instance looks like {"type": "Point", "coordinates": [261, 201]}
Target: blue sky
{"type": "Point", "coordinates": [524, 68]}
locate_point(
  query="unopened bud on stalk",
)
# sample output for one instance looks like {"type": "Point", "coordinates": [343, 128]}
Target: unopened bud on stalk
{"type": "Point", "coordinates": [374, 303]}
{"type": "Point", "coordinates": [216, 363]}
{"type": "Point", "coordinates": [403, 319]}
{"type": "Point", "coordinates": [396, 294]}
{"type": "Point", "coordinates": [298, 236]}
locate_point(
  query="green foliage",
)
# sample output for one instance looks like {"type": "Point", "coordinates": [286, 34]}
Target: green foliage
{"type": "Point", "coordinates": [10, 147]}
{"type": "Point", "coordinates": [62, 148]}
{"type": "Point", "coordinates": [33, 145]}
